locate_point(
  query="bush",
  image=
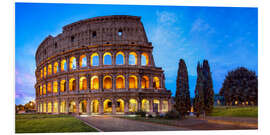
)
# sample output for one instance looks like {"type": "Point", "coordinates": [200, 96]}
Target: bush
{"type": "Point", "coordinates": [172, 115]}
{"type": "Point", "coordinates": [141, 113]}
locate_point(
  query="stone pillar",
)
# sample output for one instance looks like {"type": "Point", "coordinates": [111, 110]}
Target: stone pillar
{"type": "Point", "coordinates": [160, 106]}
{"type": "Point", "coordinates": [139, 104]}
{"type": "Point", "coordinates": [113, 82]}
{"type": "Point", "coordinates": [59, 106]}
{"type": "Point", "coordinates": [139, 82]}
{"type": "Point", "coordinates": [58, 86]}
{"type": "Point", "coordinates": [52, 106]}
{"type": "Point", "coordinates": [77, 106]}
{"type": "Point", "coordinates": [88, 111]}
{"type": "Point", "coordinates": [100, 106]}
{"type": "Point", "coordinates": [127, 82]}
{"type": "Point", "coordinates": [100, 58]}
{"type": "Point", "coordinates": [126, 57]}
{"type": "Point", "coordinates": [100, 78]}
{"type": "Point", "coordinates": [67, 84]}
{"type": "Point", "coordinates": [67, 63]}
{"type": "Point", "coordinates": [126, 104]}
{"type": "Point", "coordinates": [151, 105]}
{"type": "Point", "coordinates": [67, 106]}
{"type": "Point", "coordinates": [113, 58]}
{"type": "Point", "coordinates": [88, 60]}
{"type": "Point", "coordinates": [77, 57]}
{"type": "Point", "coordinates": [59, 65]}
{"type": "Point", "coordinates": [47, 107]}
{"type": "Point", "coordinates": [151, 82]}
{"type": "Point", "coordinates": [88, 78]}
{"type": "Point", "coordinates": [113, 106]}
{"type": "Point", "coordinates": [139, 57]}
{"type": "Point", "coordinates": [77, 83]}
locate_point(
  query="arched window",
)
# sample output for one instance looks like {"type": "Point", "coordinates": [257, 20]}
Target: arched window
{"type": "Point", "coordinates": [94, 83]}
{"type": "Point", "coordinates": [133, 105]}
{"type": "Point", "coordinates": [132, 58]}
{"type": "Point", "coordinates": [40, 90]}
{"type": "Point", "coordinates": [49, 69]}
{"type": "Point", "coordinates": [156, 105]}
{"type": "Point", "coordinates": [72, 84]}
{"type": "Point", "coordinates": [165, 106]}
{"type": "Point", "coordinates": [41, 73]}
{"type": "Point", "coordinates": [83, 61]}
{"type": "Point", "coordinates": [72, 107]}
{"type": "Point", "coordinates": [55, 67]}
{"type": "Point", "coordinates": [83, 83]}
{"type": "Point", "coordinates": [55, 87]}
{"type": "Point", "coordinates": [83, 105]}
{"type": "Point", "coordinates": [120, 82]}
{"type": "Point", "coordinates": [145, 105]}
{"type": "Point", "coordinates": [145, 82]}
{"type": "Point", "coordinates": [49, 88]}
{"type": "Point", "coordinates": [107, 104]}
{"type": "Point", "coordinates": [145, 59]}
{"type": "Point", "coordinates": [63, 85]}
{"type": "Point", "coordinates": [40, 107]}
{"type": "Point", "coordinates": [107, 82]}
{"type": "Point", "coordinates": [49, 107]}
{"type": "Point", "coordinates": [45, 72]}
{"type": "Point", "coordinates": [55, 107]}
{"type": "Point", "coordinates": [44, 107]}
{"type": "Point", "coordinates": [120, 58]}
{"type": "Point", "coordinates": [44, 89]}
{"type": "Point", "coordinates": [107, 58]}
{"type": "Point", "coordinates": [63, 65]}
{"type": "Point", "coordinates": [94, 59]}
{"type": "Point", "coordinates": [95, 106]}
{"type": "Point", "coordinates": [72, 63]}
{"type": "Point", "coordinates": [156, 83]}
{"type": "Point", "coordinates": [120, 105]}
{"type": "Point", "coordinates": [132, 82]}
{"type": "Point", "coordinates": [63, 107]}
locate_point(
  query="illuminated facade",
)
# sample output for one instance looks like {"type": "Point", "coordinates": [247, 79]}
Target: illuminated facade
{"type": "Point", "coordinates": [97, 66]}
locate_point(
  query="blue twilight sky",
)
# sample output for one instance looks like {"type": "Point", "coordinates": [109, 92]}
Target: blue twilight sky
{"type": "Point", "coordinates": [226, 36]}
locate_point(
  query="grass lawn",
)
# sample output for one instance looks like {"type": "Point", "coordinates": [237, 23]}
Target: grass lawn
{"type": "Point", "coordinates": [235, 111]}
{"type": "Point", "coordinates": [45, 123]}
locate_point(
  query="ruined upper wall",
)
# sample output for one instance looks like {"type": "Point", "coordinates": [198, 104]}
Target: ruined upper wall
{"type": "Point", "coordinates": [116, 29]}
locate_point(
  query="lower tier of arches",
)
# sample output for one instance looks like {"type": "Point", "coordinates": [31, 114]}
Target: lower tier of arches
{"type": "Point", "coordinates": [104, 105]}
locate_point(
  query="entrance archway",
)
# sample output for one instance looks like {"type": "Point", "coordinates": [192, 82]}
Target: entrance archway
{"type": "Point", "coordinates": [72, 107]}
{"type": "Point", "coordinates": [94, 106]}
{"type": "Point", "coordinates": [120, 106]}
{"type": "Point", "coordinates": [83, 105]}
{"type": "Point", "coordinates": [107, 104]}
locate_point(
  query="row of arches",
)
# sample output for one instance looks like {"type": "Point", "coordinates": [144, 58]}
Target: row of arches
{"type": "Point", "coordinates": [107, 106]}
{"type": "Point", "coordinates": [120, 83]}
{"type": "Point", "coordinates": [94, 61]}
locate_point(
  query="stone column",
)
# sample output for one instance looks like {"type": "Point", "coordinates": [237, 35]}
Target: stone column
{"type": "Point", "coordinates": [139, 57]}
{"type": "Point", "coordinates": [67, 106]}
{"type": "Point", "coordinates": [100, 78]}
{"type": "Point", "coordinates": [47, 107]}
{"type": "Point", "coordinates": [77, 106]}
{"type": "Point", "coordinates": [113, 82]}
{"type": "Point", "coordinates": [88, 78]}
{"type": "Point", "coordinates": [67, 63]}
{"type": "Point", "coordinates": [52, 106]}
{"type": "Point", "coordinates": [160, 106]}
{"type": "Point", "coordinates": [59, 106]}
{"type": "Point", "coordinates": [139, 82]}
{"type": "Point", "coordinates": [126, 57]}
{"type": "Point", "coordinates": [88, 58]}
{"type": "Point", "coordinates": [151, 82]}
{"type": "Point", "coordinates": [139, 104]}
{"type": "Point", "coordinates": [113, 58]}
{"type": "Point", "coordinates": [88, 106]}
{"type": "Point", "coordinates": [58, 86]}
{"type": "Point", "coordinates": [151, 105]}
{"type": "Point", "coordinates": [67, 84]}
{"type": "Point", "coordinates": [113, 106]}
{"type": "Point", "coordinates": [77, 83]}
{"type": "Point", "coordinates": [127, 82]}
{"type": "Point", "coordinates": [100, 106]}
{"type": "Point", "coordinates": [100, 58]}
{"type": "Point", "coordinates": [126, 104]}
{"type": "Point", "coordinates": [77, 61]}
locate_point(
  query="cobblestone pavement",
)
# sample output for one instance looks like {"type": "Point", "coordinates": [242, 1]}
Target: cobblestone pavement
{"type": "Point", "coordinates": [113, 124]}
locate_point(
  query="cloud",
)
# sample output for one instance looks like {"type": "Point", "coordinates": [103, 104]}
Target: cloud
{"type": "Point", "coordinates": [199, 25]}
{"type": "Point", "coordinates": [166, 18]}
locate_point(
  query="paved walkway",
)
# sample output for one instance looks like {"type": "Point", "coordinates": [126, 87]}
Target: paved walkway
{"type": "Point", "coordinates": [113, 124]}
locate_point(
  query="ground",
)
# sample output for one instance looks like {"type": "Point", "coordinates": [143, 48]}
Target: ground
{"type": "Point", "coordinates": [235, 111]}
{"type": "Point", "coordinates": [44, 123]}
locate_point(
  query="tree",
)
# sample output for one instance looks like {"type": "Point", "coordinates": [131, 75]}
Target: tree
{"type": "Point", "coordinates": [208, 88]}
{"type": "Point", "coordinates": [240, 87]}
{"type": "Point", "coordinates": [199, 92]}
{"type": "Point", "coordinates": [182, 96]}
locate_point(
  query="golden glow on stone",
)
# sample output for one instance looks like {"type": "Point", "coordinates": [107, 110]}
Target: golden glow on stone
{"type": "Point", "coordinates": [107, 104]}
{"type": "Point", "coordinates": [95, 106]}
{"type": "Point", "coordinates": [120, 82]}
{"type": "Point", "coordinates": [83, 83]}
{"type": "Point", "coordinates": [55, 67]}
{"type": "Point", "coordinates": [145, 105]}
{"type": "Point", "coordinates": [49, 69]}
{"type": "Point", "coordinates": [94, 83]}
{"type": "Point", "coordinates": [62, 85]}
{"type": "Point", "coordinates": [120, 105]}
{"type": "Point", "coordinates": [133, 105]}
{"type": "Point", "coordinates": [72, 84]}
{"type": "Point", "coordinates": [156, 83]}
{"type": "Point", "coordinates": [55, 87]}
{"type": "Point", "coordinates": [107, 82]}
{"type": "Point", "coordinates": [145, 82]}
{"type": "Point", "coordinates": [133, 82]}
{"type": "Point", "coordinates": [63, 65]}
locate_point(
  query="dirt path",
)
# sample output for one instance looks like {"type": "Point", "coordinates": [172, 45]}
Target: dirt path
{"type": "Point", "coordinates": [110, 124]}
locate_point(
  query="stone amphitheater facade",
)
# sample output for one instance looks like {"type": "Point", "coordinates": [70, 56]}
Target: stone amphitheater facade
{"type": "Point", "coordinates": [101, 65]}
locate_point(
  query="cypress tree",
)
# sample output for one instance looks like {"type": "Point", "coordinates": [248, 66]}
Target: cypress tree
{"type": "Point", "coordinates": [208, 88]}
{"type": "Point", "coordinates": [182, 97]}
{"type": "Point", "coordinates": [199, 92]}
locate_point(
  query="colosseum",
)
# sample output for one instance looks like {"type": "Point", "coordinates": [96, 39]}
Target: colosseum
{"type": "Point", "coordinates": [101, 65]}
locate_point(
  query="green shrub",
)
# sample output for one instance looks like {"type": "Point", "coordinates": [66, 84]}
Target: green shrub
{"type": "Point", "coordinates": [141, 113]}
{"type": "Point", "coordinates": [172, 114]}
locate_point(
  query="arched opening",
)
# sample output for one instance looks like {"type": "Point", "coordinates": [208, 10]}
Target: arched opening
{"type": "Point", "coordinates": [72, 63]}
{"type": "Point", "coordinates": [55, 67]}
{"type": "Point", "coordinates": [107, 106]}
{"type": "Point", "coordinates": [44, 89]}
{"type": "Point", "coordinates": [40, 107]}
{"type": "Point", "coordinates": [83, 105]}
{"type": "Point", "coordinates": [120, 106]}
{"type": "Point", "coordinates": [83, 61]}
{"type": "Point", "coordinates": [63, 85]}
{"type": "Point", "coordinates": [120, 58]}
{"type": "Point", "coordinates": [145, 59]}
{"type": "Point", "coordinates": [120, 82]}
{"type": "Point", "coordinates": [165, 106]}
{"type": "Point", "coordinates": [41, 73]}
{"type": "Point", "coordinates": [145, 105]}
{"type": "Point", "coordinates": [40, 90]}
{"type": "Point", "coordinates": [55, 107]}
{"type": "Point", "coordinates": [49, 88]}
{"type": "Point", "coordinates": [95, 106]}
{"type": "Point", "coordinates": [107, 58]}
{"type": "Point", "coordinates": [55, 87]}
{"type": "Point", "coordinates": [133, 105]}
{"type": "Point", "coordinates": [94, 59]}
{"type": "Point", "coordinates": [72, 84]}
{"type": "Point", "coordinates": [156, 83]}
{"type": "Point", "coordinates": [156, 105]}
{"type": "Point", "coordinates": [132, 82]}
{"type": "Point", "coordinates": [49, 69]}
{"type": "Point", "coordinates": [44, 107]}
{"type": "Point", "coordinates": [63, 65]}
{"type": "Point", "coordinates": [83, 83]}
{"type": "Point", "coordinates": [145, 82]}
{"type": "Point", "coordinates": [45, 72]}
{"type": "Point", "coordinates": [132, 58]}
{"type": "Point", "coordinates": [94, 83]}
{"type": "Point", "coordinates": [72, 107]}
{"type": "Point", "coordinates": [107, 82]}
{"type": "Point", "coordinates": [63, 107]}
{"type": "Point", "coordinates": [50, 107]}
